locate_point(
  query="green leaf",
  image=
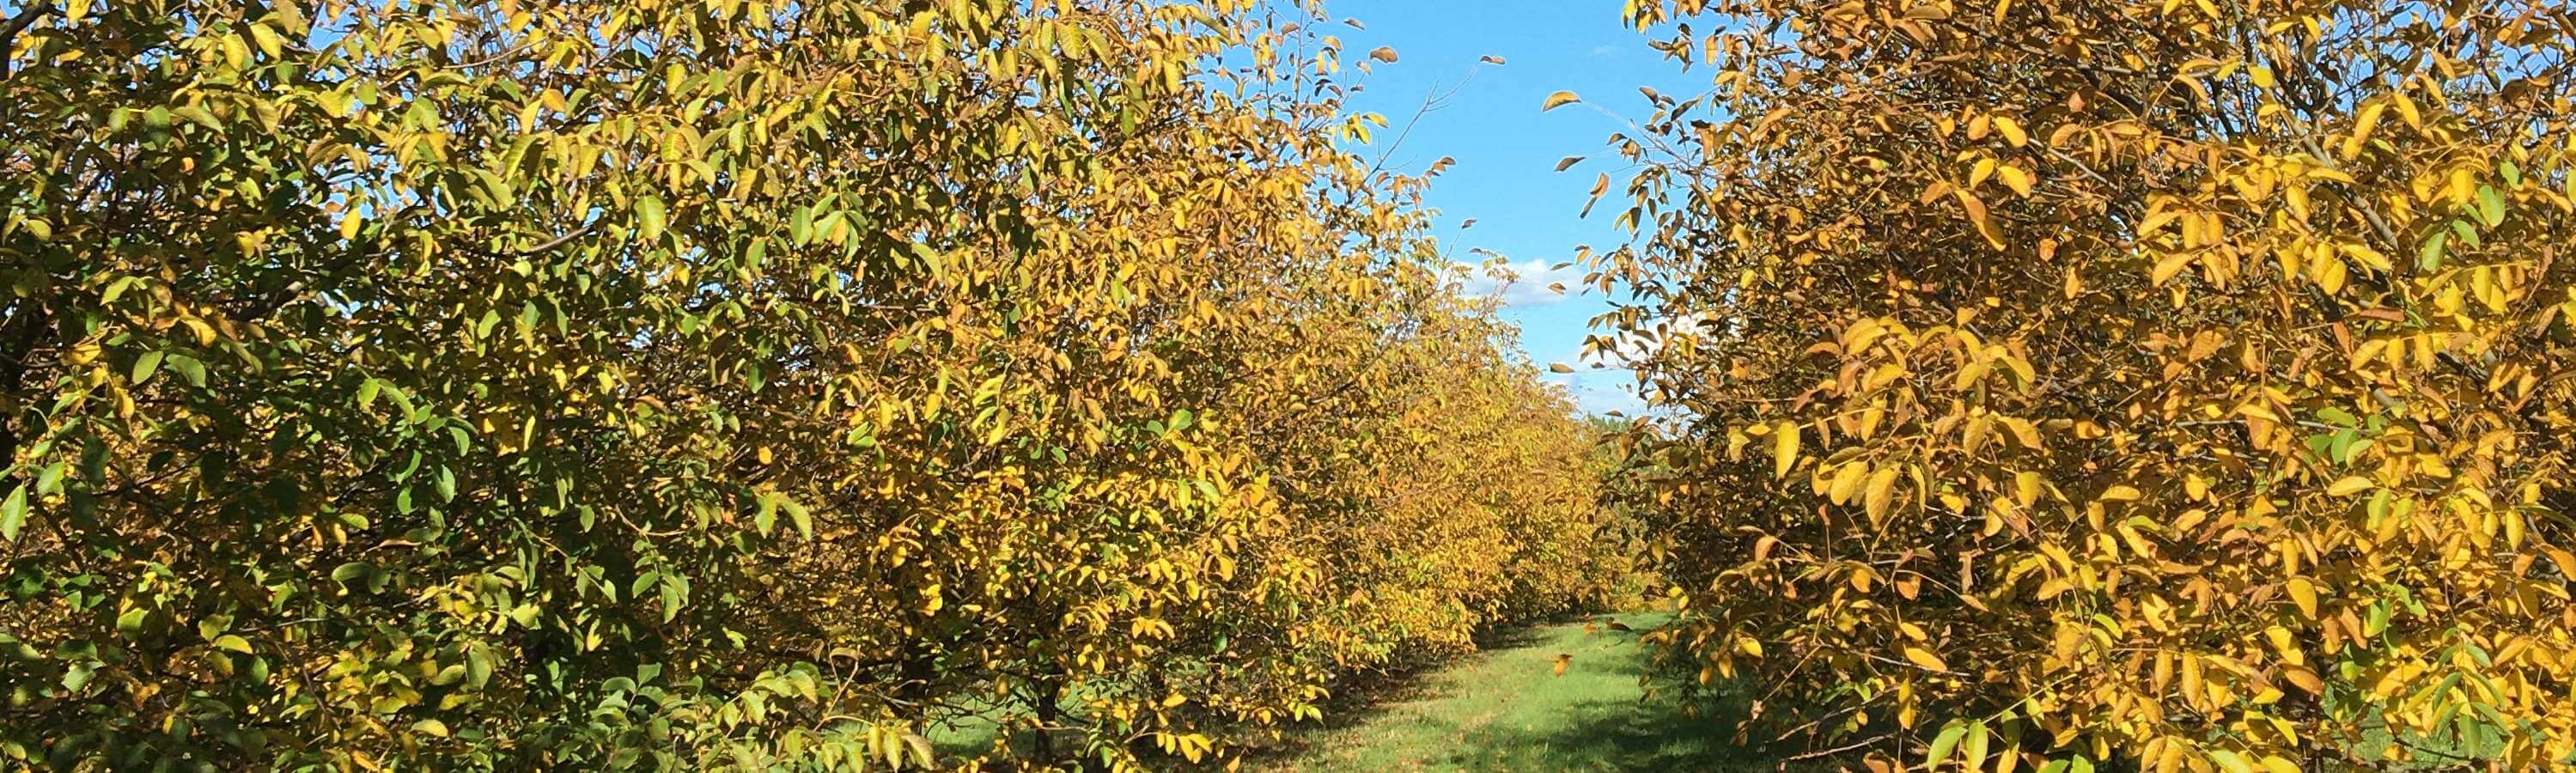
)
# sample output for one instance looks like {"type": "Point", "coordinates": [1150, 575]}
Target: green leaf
{"type": "Point", "coordinates": [649, 213]}
{"type": "Point", "coordinates": [78, 675]}
{"type": "Point", "coordinates": [189, 368]}
{"type": "Point", "coordinates": [2490, 206]}
{"type": "Point", "coordinates": [478, 667]}
{"type": "Point", "coordinates": [198, 115]}
{"type": "Point", "coordinates": [2230, 761]}
{"type": "Point", "coordinates": [144, 367]}
{"type": "Point", "coordinates": [232, 643]}
{"type": "Point", "coordinates": [1942, 744]}
{"type": "Point", "coordinates": [13, 513]}
{"type": "Point", "coordinates": [2430, 257]}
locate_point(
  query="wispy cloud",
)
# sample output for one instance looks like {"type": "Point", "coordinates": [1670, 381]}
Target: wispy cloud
{"type": "Point", "coordinates": [1527, 283]}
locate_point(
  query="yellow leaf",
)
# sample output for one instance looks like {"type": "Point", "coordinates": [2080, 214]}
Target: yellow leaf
{"type": "Point", "coordinates": [2304, 593]}
{"type": "Point", "coordinates": [1924, 658]}
{"type": "Point", "coordinates": [1559, 99]}
{"type": "Point", "coordinates": [1846, 482]}
{"type": "Point", "coordinates": [2305, 679]}
{"type": "Point", "coordinates": [2012, 131]}
{"type": "Point", "coordinates": [1977, 214]}
{"type": "Point", "coordinates": [2362, 126]}
{"type": "Point", "coordinates": [2016, 179]}
{"type": "Point", "coordinates": [1784, 449]}
{"type": "Point", "coordinates": [2167, 267]}
{"type": "Point", "coordinates": [2349, 486]}
{"type": "Point", "coordinates": [1882, 487]}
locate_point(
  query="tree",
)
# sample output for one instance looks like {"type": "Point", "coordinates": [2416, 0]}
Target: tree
{"type": "Point", "coordinates": [2174, 385]}
{"type": "Point", "coordinates": [631, 383]}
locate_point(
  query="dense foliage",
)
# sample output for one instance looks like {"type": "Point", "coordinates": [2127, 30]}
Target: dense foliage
{"type": "Point", "coordinates": [630, 383]}
{"type": "Point", "coordinates": [2156, 384]}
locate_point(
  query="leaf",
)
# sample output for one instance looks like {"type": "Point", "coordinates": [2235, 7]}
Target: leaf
{"type": "Point", "coordinates": [1784, 449]}
{"type": "Point", "coordinates": [2169, 266]}
{"type": "Point", "coordinates": [2349, 486]}
{"type": "Point", "coordinates": [2304, 678]}
{"type": "Point", "coordinates": [649, 214]}
{"type": "Point", "coordinates": [2429, 257]}
{"type": "Point", "coordinates": [13, 513]}
{"type": "Point", "coordinates": [1882, 489]}
{"type": "Point", "coordinates": [431, 727]}
{"type": "Point", "coordinates": [2304, 593]}
{"type": "Point", "coordinates": [2490, 206]}
{"type": "Point", "coordinates": [1568, 162]}
{"type": "Point", "coordinates": [1925, 659]}
{"type": "Point", "coordinates": [2229, 761]}
{"type": "Point", "coordinates": [1562, 661]}
{"type": "Point", "coordinates": [2011, 131]}
{"type": "Point", "coordinates": [231, 643]}
{"type": "Point", "coordinates": [1559, 99]}
{"type": "Point", "coordinates": [1942, 745]}
{"type": "Point", "coordinates": [2013, 177]}
{"type": "Point", "coordinates": [1490, 59]}
{"type": "Point", "coordinates": [1559, 367]}
{"type": "Point", "coordinates": [1977, 214]}
{"type": "Point", "coordinates": [1846, 483]}
{"type": "Point", "coordinates": [1383, 54]}
{"type": "Point", "coordinates": [144, 367]}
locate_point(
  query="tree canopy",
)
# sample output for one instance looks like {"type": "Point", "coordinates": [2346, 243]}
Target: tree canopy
{"type": "Point", "coordinates": [620, 384]}
{"type": "Point", "coordinates": [2173, 385]}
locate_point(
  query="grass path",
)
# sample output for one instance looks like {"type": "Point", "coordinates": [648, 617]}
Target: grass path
{"type": "Point", "coordinates": [1506, 709]}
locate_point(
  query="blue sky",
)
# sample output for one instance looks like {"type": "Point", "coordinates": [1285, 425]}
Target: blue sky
{"type": "Point", "coordinates": [1507, 150]}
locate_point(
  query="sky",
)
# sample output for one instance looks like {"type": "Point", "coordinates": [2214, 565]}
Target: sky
{"type": "Point", "coordinates": [1507, 151]}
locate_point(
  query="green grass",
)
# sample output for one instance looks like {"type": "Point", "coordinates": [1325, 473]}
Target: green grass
{"type": "Point", "coordinates": [1505, 709]}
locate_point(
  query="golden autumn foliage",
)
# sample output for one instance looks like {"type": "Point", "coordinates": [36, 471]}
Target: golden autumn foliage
{"type": "Point", "coordinates": [633, 384]}
{"type": "Point", "coordinates": [2158, 385]}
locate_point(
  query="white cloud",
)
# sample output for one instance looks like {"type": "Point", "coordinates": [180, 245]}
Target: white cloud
{"type": "Point", "coordinates": [1527, 283]}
